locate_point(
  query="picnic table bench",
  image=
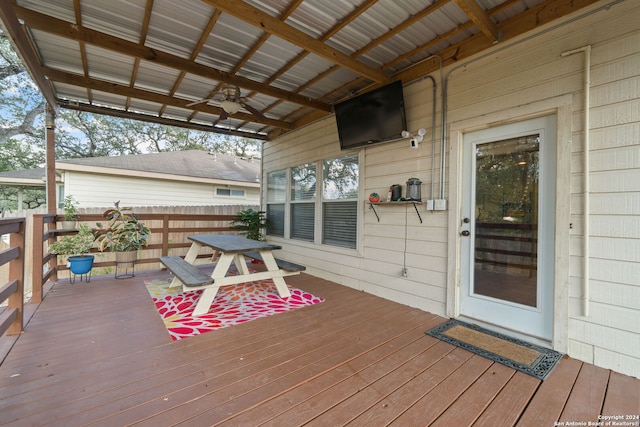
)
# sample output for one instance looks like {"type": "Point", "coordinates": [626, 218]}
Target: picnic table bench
{"type": "Point", "coordinates": [284, 265]}
{"type": "Point", "coordinates": [189, 274]}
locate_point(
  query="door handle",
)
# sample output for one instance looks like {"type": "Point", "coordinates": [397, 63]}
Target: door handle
{"type": "Point", "coordinates": [465, 233]}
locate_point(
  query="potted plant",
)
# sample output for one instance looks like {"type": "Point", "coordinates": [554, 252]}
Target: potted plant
{"type": "Point", "coordinates": [124, 234]}
{"type": "Point", "coordinates": [70, 207]}
{"type": "Point", "coordinates": [76, 248]}
{"type": "Point", "coordinates": [250, 223]}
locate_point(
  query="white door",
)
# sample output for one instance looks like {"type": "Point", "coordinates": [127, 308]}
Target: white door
{"type": "Point", "coordinates": [507, 231]}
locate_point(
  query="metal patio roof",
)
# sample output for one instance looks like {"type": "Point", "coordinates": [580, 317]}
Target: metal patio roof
{"type": "Point", "coordinates": [291, 59]}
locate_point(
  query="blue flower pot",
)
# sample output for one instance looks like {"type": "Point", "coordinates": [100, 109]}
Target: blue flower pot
{"type": "Point", "coordinates": [81, 264]}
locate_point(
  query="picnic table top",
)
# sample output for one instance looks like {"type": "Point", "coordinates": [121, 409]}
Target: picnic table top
{"type": "Point", "coordinates": [232, 243]}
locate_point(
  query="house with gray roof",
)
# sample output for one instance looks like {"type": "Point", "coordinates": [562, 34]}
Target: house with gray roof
{"type": "Point", "coordinates": [176, 178]}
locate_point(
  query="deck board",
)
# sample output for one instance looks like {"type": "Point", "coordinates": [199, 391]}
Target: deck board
{"type": "Point", "coordinates": [548, 403]}
{"type": "Point", "coordinates": [431, 405]}
{"type": "Point", "coordinates": [380, 380]}
{"type": "Point", "coordinates": [98, 354]}
{"type": "Point", "coordinates": [623, 396]}
{"type": "Point", "coordinates": [586, 398]}
{"type": "Point", "coordinates": [510, 402]}
{"type": "Point", "coordinates": [476, 398]}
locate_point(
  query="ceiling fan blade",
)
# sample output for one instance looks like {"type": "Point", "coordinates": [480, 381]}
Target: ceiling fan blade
{"type": "Point", "coordinates": [223, 115]}
{"type": "Point", "coordinates": [199, 102]}
{"type": "Point", "coordinates": [253, 111]}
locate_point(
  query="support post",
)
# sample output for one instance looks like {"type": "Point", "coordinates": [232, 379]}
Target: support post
{"type": "Point", "coordinates": [50, 121]}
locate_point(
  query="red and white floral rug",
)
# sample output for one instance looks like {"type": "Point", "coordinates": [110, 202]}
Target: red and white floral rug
{"type": "Point", "coordinates": [232, 305]}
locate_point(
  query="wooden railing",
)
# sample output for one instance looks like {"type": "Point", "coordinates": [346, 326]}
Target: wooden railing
{"type": "Point", "coordinates": [169, 232]}
{"type": "Point", "coordinates": [44, 263]}
{"type": "Point", "coordinates": [11, 319]}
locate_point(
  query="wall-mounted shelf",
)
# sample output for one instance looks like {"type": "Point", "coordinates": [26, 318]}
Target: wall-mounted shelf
{"type": "Point", "coordinates": [400, 203]}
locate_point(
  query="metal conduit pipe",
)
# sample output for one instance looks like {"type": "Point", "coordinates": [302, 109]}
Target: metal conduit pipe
{"type": "Point", "coordinates": [433, 120]}
{"type": "Point", "coordinates": [586, 169]}
{"type": "Point", "coordinates": [433, 135]}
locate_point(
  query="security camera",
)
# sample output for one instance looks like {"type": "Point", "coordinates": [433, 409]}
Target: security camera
{"type": "Point", "coordinates": [414, 142]}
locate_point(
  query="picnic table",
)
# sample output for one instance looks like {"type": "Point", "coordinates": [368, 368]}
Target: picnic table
{"type": "Point", "coordinates": [231, 249]}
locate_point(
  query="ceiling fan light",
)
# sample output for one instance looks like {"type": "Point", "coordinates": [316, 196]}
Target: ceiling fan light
{"type": "Point", "coordinates": [230, 107]}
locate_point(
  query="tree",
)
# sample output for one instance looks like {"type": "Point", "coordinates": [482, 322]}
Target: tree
{"type": "Point", "coordinates": [22, 104]}
{"type": "Point", "coordinates": [18, 155]}
{"type": "Point", "coordinates": [341, 177]}
{"type": "Point", "coordinates": [21, 127]}
{"type": "Point", "coordinates": [81, 134]}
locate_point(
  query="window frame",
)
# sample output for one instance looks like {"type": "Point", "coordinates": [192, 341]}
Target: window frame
{"type": "Point", "coordinates": [340, 199]}
{"type": "Point", "coordinates": [318, 201]}
{"type": "Point", "coordinates": [231, 191]}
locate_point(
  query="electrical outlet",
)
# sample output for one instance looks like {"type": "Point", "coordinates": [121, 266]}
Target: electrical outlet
{"type": "Point", "coordinates": [440, 205]}
{"type": "Point", "coordinates": [405, 273]}
{"type": "Point", "coordinates": [430, 205]}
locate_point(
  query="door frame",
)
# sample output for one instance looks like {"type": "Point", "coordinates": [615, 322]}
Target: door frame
{"type": "Point", "coordinates": [532, 321]}
{"type": "Point", "coordinates": [562, 108]}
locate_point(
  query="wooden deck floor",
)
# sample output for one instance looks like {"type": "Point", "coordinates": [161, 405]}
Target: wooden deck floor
{"type": "Point", "coordinates": [98, 354]}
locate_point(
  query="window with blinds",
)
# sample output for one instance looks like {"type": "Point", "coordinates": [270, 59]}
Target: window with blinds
{"type": "Point", "coordinates": [276, 199]}
{"type": "Point", "coordinates": [275, 219]}
{"type": "Point", "coordinates": [340, 201]}
{"type": "Point", "coordinates": [303, 195]}
{"type": "Point", "coordinates": [339, 225]}
{"type": "Point", "coordinates": [303, 221]}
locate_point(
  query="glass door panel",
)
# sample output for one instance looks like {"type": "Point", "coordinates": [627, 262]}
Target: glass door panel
{"type": "Point", "coordinates": [506, 219]}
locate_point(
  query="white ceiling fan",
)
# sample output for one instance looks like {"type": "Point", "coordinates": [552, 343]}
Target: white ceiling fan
{"type": "Point", "coordinates": [230, 101]}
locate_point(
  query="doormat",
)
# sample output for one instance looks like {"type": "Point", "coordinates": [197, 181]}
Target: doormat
{"type": "Point", "coordinates": [517, 354]}
{"type": "Point", "coordinates": [233, 305]}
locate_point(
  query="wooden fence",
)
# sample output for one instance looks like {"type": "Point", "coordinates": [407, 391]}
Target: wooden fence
{"type": "Point", "coordinates": [170, 228]}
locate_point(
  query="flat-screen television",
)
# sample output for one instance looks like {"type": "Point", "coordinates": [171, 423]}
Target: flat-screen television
{"type": "Point", "coordinates": [371, 118]}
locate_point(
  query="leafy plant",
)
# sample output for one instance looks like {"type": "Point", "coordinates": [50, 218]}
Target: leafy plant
{"type": "Point", "coordinates": [124, 232]}
{"type": "Point", "coordinates": [250, 223]}
{"type": "Point", "coordinates": [77, 244]}
{"type": "Point", "coordinates": [70, 207]}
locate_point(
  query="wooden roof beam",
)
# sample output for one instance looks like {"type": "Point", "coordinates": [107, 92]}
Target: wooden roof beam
{"type": "Point", "coordinates": [276, 27]}
{"type": "Point", "coordinates": [479, 17]}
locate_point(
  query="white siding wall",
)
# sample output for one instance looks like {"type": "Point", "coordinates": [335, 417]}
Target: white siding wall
{"type": "Point", "coordinates": [94, 190]}
{"type": "Point", "coordinates": [529, 78]}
